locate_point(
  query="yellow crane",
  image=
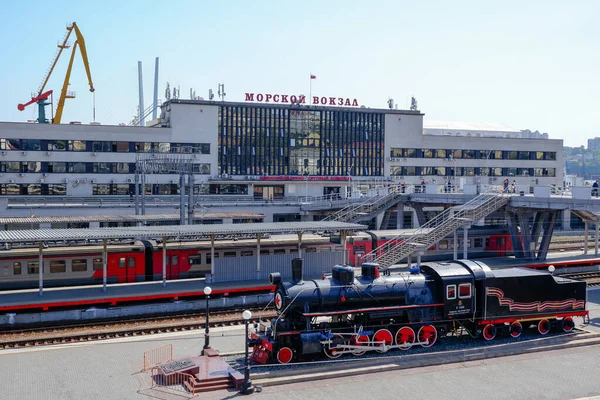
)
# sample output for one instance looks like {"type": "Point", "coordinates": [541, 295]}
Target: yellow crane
{"type": "Point", "coordinates": [42, 96]}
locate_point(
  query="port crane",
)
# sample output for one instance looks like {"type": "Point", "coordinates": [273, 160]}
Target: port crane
{"type": "Point", "coordinates": [41, 97]}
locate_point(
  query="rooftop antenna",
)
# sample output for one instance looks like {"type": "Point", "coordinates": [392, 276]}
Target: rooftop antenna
{"type": "Point", "coordinates": [211, 95]}
{"type": "Point", "coordinates": [221, 92]}
{"type": "Point", "coordinates": [413, 104]}
{"type": "Point", "coordinates": [390, 103]}
{"type": "Point", "coordinates": [168, 92]}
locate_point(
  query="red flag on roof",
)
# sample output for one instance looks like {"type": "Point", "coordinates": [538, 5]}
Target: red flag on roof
{"type": "Point", "coordinates": [313, 76]}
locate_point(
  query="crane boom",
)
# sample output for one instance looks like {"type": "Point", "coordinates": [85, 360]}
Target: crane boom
{"type": "Point", "coordinates": [42, 96]}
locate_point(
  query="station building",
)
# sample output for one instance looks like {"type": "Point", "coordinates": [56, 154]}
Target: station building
{"type": "Point", "coordinates": [267, 151]}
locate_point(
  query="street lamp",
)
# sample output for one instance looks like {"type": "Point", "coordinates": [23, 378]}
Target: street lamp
{"type": "Point", "coordinates": [207, 292]}
{"type": "Point", "coordinates": [247, 387]}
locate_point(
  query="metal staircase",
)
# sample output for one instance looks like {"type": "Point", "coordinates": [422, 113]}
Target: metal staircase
{"type": "Point", "coordinates": [369, 208]}
{"type": "Point", "coordinates": [437, 228]}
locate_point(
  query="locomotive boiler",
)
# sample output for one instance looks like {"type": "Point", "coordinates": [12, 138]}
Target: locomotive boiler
{"type": "Point", "coordinates": [379, 311]}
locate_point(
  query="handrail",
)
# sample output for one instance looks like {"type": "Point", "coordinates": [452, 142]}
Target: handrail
{"type": "Point", "coordinates": [437, 228]}
{"type": "Point", "coordinates": [175, 381]}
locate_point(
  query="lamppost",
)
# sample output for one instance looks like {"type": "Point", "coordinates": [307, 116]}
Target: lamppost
{"type": "Point", "coordinates": [247, 387]}
{"type": "Point", "coordinates": [207, 292]}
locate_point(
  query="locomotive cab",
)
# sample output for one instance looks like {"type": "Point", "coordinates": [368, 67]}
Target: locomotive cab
{"type": "Point", "coordinates": [455, 287]}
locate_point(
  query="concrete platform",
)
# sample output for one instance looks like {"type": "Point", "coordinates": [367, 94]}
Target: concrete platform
{"type": "Point", "coordinates": [111, 370]}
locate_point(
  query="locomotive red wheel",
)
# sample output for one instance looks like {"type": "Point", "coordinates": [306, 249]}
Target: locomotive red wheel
{"type": "Point", "coordinates": [358, 340]}
{"type": "Point", "coordinates": [383, 336]}
{"type": "Point", "coordinates": [285, 355]}
{"type": "Point", "coordinates": [515, 329]}
{"type": "Point", "coordinates": [489, 332]}
{"type": "Point", "coordinates": [544, 327]}
{"type": "Point", "coordinates": [405, 337]}
{"type": "Point", "coordinates": [427, 333]}
{"type": "Point", "coordinates": [567, 324]}
{"type": "Point", "coordinates": [333, 352]}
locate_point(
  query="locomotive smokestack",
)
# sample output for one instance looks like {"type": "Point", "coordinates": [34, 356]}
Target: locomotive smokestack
{"type": "Point", "coordinates": [296, 270]}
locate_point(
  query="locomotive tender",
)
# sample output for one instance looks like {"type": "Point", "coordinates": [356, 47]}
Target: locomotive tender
{"type": "Point", "coordinates": [379, 311]}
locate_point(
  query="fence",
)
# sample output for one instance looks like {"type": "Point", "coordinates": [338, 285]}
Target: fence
{"type": "Point", "coordinates": [157, 356]}
{"type": "Point", "coordinates": [244, 268]}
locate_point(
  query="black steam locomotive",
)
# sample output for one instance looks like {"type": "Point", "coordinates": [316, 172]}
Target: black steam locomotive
{"type": "Point", "coordinates": [379, 311]}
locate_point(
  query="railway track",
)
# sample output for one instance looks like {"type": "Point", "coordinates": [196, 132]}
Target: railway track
{"type": "Point", "coordinates": [592, 278]}
{"type": "Point", "coordinates": [45, 336]}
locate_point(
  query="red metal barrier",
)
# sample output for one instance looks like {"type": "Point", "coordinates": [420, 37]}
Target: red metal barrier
{"type": "Point", "coordinates": [157, 356]}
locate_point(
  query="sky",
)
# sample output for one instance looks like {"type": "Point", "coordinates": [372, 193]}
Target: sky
{"type": "Point", "coordinates": [527, 64]}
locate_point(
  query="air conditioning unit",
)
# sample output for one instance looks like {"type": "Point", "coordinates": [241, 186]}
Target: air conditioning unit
{"type": "Point", "coordinates": [40, 180]}
{"type": "Point", "coordinates": [128, 180]}
{"type": "Point", "coordinates": [84, 180]}
{"type": "Point", "coordinates": [21, 174]}
{"type": "Point", "coordinates": [76, 181]}
{"type": "Point", "coordinates": [44, 174]}
{"type": "Point", "coordinates": [65, 180]}
{"type": "Point", "coordinates": [3, 153]}
{"type": "Point", "coordinates": [93, 181]}
{"type": "Point", "coordinates": [112, 181]}
{"type": "Point", "coordinates": [23, 153]}
{"type": "Point", "coordinates": [94, 154]}
{"type": "Point", "coordinates": [47, 153]}
{"type": "Point", "coordinates": [11, 181]}
{"type": "Point", "coordinates": [389, 158]}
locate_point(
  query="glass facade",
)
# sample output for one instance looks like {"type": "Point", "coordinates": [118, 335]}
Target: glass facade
{"type": "Point", "coordinates": [256, 140]}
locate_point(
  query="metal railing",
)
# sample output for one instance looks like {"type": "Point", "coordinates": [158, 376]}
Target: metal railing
{"type": "Point", "coordinates": [436, 229]}
{"type": "Point", "coordinates": [355, 212]}
{"type": "Point", "coordinates": [175, 382]}
{"type": "Point", "coordinates": [157, 356]}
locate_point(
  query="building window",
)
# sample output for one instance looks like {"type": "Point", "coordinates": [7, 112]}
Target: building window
{"type": "Point", "coordinates": [57, 145]}
{"type": "Point", "coordinates": [10, 166]}
{"type": "Point", "coordinates": [77, 145]}
{"type": "Point", "coordinates": [77, 167]}
{"type": "Point", "coordinates": [57, 167]}
{"type": "Point", "coordinates": [427, 153]}
{"type": "Point", "coordinates": [440, 153]}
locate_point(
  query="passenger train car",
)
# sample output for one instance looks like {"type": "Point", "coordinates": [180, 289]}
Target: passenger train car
{"type": "Point", "coordinates": [143, 260]}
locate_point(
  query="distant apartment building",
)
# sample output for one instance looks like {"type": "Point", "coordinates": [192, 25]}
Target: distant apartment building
{"type": "Point", "coordinates": [594, 144]}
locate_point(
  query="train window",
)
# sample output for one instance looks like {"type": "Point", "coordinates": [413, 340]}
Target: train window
{"type": "Point", "coordinates": [209, 258]}
{"type": "Point", "coordinates": [293, 251]}
{"type": "Point", "coordinates": [265, 252]}
{"type": "Point", "coordinates": [131, 262]}
{"type": "Point", "coordinates": [279, 251]}
{"type": "Point", "coordinates": [464, 291]}
{"type": "Point", "coordinates": [57, 266]}
{"type": "Point", "coordinates": [122, 262]}
{"type": "Point", "coordinates": [33, 267]}
{"type": "Point", "coordinates": [443, 245]}
{"type": "Point", "coordinates": [17, 268]}
{"type": "Point", "coordinates": [478, 242]}
{"type": "Point", "coordinates": [246, 253]}
{"type": "Point", "coordinates": [229, 254]}
{"type": "Point", "coordinates": [98, 264]}
{"type": "Point", "coordinates": [450, 292]}
{"type": "Point", "coordinates": [174, 260]}
{"type": "Point", "coordinates": [469, 243]}
{"type": "Point", "coordinates": [310, 250]}
{"type": "Point", "coordinates": [487, 242]}
{"type": "Point", "coordinates": [79, 265]}
{"type": "Point", "coordinates": [195, 259]}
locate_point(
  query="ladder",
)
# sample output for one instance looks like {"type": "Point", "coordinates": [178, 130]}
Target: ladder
{"type": "Point", "coordinates": [436, 229]}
